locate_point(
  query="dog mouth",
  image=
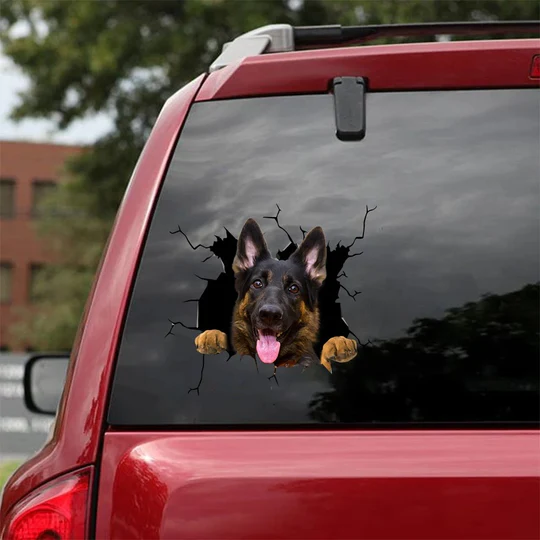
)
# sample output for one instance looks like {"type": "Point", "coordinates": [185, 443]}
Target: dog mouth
{"type": "Point", "coordinates": [268, 344]}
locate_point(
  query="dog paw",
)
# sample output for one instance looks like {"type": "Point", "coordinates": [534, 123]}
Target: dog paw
{"type": "Point", "coordinates": [338, 349]}
{"type": "Point", "coordinates": [211, 342]}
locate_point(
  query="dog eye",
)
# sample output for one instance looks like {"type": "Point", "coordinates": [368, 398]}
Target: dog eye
{"type": "Point", "coordinates": [257, 284]}
{"type": "Point", "coordinates": [294, 289]}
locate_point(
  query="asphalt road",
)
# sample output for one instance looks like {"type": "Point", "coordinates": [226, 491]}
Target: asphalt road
{"type": "Point", "coordinates": [22, 433]}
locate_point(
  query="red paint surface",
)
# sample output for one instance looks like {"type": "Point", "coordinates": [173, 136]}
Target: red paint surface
{"type": "Point", "coordinates": [82, 410]}
{"type": "Point", "coordinates": [320, 485]}
{"type": "Point", "coordinates": [419, 66]}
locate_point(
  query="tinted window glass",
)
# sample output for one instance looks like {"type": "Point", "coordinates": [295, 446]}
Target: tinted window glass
{"type": "Point", "coordinates": [7, 198]}
{"type": "Point", "coordinates": [6, 282]}
{"type": "Point", "coordinates": [41, 191]}
{"type": "Point", "coordinates": [442, 291]}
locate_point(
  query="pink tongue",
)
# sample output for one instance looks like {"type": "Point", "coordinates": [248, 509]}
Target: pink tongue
{"type": "Point", "coordinates": [267, 348]}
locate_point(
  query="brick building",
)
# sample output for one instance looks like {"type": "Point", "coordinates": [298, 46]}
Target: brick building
{"type": "Point", "coordinates": [28, 171]}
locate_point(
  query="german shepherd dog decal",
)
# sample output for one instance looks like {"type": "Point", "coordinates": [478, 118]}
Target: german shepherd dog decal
{"type": "Point", "coordinates": [276, 314]}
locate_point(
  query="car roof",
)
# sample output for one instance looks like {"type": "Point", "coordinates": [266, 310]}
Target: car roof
{"type": "Point", "coordinates": [413, 66]}
{"type": "Point", "coordinates": [274, 38]}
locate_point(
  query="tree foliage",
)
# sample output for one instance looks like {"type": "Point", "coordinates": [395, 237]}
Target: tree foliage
{"type": "Point", "coordinates": [124, 58]}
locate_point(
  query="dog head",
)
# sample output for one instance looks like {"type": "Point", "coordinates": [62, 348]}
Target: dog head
{"type": "Point", "coordinates": [277, 300]}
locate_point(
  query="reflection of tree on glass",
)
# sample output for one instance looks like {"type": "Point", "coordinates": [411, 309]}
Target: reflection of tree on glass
{"type": "Point", "coordinates": [217, 303]}
{"type": "Point", "coordinates": [481, 357]}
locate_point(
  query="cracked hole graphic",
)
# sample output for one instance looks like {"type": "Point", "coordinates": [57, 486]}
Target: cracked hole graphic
{"type": "Point", "coordinates": [216, 304]}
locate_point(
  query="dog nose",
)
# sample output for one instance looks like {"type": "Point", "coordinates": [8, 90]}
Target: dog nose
{"type": "Point", "coordinates": [270, 314]}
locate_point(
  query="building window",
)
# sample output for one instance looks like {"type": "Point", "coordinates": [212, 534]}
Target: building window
{"type": "Point", "coordinates": [6, 282]}
{"type": "Point", "coordinates": [41, 190]}
{"type": "Point", "coordinates": [7, 198]}
{"type": "Point", "coordinates": [35, 291]}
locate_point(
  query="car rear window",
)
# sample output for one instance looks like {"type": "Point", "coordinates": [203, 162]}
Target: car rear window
{"type": "Point", "coordinates": [432, 226]}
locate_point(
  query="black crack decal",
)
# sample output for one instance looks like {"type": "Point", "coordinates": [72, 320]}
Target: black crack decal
{"type": "Point", "coordinates": [216, 303]}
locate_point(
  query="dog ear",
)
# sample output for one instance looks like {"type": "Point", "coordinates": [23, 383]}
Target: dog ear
{"type": "Point", "coordinates": [312, 254]}
{"type": "Point", "coordinates": [251, 247]}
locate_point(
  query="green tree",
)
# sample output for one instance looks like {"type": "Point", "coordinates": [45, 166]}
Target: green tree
{"type": "Point", "coordinates": [125, 58]}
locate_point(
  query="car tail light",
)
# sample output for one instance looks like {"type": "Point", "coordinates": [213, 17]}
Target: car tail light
{"type": "Point", "coordinates": [535, 67]}
{"type": "Point", "coordinates": [56, 511]}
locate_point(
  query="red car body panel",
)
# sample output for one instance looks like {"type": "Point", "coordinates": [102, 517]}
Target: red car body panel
{"type": "Point", "coordinates": [418, 66]}
{"type": "Point", "coordinates": [333, 484]}
{"type": "Point", "coordinates": [452, 484]}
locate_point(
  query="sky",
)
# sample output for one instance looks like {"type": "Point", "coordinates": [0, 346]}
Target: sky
{"type": "Point", "coordinates": [12, 82]}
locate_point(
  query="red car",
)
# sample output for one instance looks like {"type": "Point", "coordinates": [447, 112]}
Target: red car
{"type": "Point", "coordinates": [420, 163]}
